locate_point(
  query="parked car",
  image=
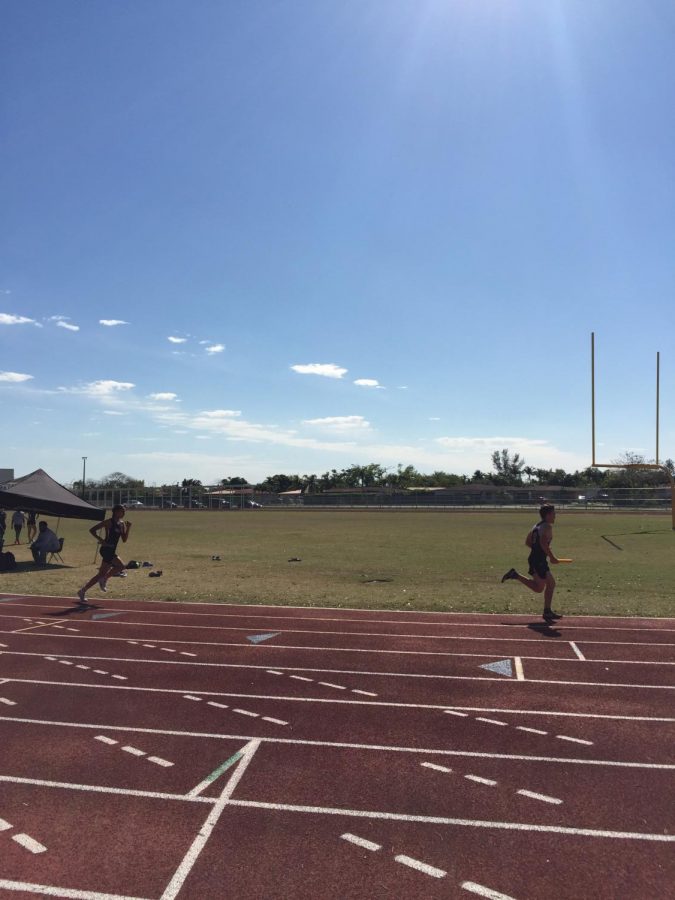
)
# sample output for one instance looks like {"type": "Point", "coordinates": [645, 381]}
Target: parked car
{"type": "Point", "coordinates": [251, 504]}
{"type": "Point", "coordinates": [132, 503]}
{"type": "Point", "coordinates": [225, 504]}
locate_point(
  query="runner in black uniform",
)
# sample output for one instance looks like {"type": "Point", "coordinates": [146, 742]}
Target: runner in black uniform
{"type": "Point", "coordinates": [539, 541]}
{"type": "Point", "coordinates": [111, 564]}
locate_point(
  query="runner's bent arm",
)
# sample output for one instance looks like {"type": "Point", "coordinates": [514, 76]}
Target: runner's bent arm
{"type": "Point", "coordinates": [545, 538]}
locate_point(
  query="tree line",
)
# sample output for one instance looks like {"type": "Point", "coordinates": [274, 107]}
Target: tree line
{"type": "Point", "coordinates": [508, 469]}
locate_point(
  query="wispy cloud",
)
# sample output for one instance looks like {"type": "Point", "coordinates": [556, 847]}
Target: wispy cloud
{"type": "Point", "coordinates": [112, 412]}
{"type": "Point", "coordinates": [110, 323]}
{"type": "Point", "coordinates": [340, 423]}
{"type": "Point", "coordinates": [14, 377]}
{"type": "Point", "coordinates": [10, 319]}
{"type": "Point", "coordinates": [176, 340]}
{"type": "Point", "coordinates": [67, 325]}
{"type": "Point", "coordinates": [100, 389]}
{"type": "Point", "coordinates": [327, 370]}
{"type": "Point", "coordinates": [516, 444]}
{"type": "Point", "coordinates": [222, 414]}
{"type": "Point", "coordinates": [163, 395]}
{"type": "Point", "coordinates": [434, 418]}
{"type": "Point", "coordinates": [368, 382]}
{"type": "Point", "coordinates": [215, 348]}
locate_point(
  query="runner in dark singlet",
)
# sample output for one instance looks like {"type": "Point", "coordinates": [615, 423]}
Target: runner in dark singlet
{"type": "Point", "coordinates": [539, 541]}
{"type": "Point", "coordinates": [111, 564]}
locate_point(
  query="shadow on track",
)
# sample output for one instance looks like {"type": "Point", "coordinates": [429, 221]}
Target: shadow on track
{"type": "Point", "coordinates": [73, 609]}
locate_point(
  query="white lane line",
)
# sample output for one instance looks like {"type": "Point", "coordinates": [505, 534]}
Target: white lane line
{"type": "Point", "coordinates": [435, 767]}
{"type": "Point", "coordinates": [338, 687]}
{"type": "Point", "coordinates": [365, 693]}
{"type": "Point", "coordinates": [520, 674]}
{"type": "Point", "coordinates": [65, 662]}
{"type": "Point", "coordinates": [274, 721]}
{"type": "Point", "coordinates": [190, 697]}
{"type": "Point", "coordinates": [455, 712]}
{"type": "Point", "coordinates": [489, 721]}
{"type": "Point", "coordinates": [577, 650]}
{"type": "Point", "coordinates": [472, 754]}
{"type": "Point", "coordinates": [159, 761]}
{"type": "Point", "coordinates": [360, 842]}
{"type": "Point", "coordinates": [480, 780]}
{"type": "Point", "coordinates": [185, 653]}
{"type": "Point", "coordinates": [56, 626]}
{"type": "Point", "coordinates": [7, 702]}
{"type": "Point", "coordinates": [47, 890]}
{"type": "Point", "coordinates": [530, 730]}
{"type": "Point", "coordinates": [5, 825]}
{"type": "Point", "coordinates": [150, 646]}
{"type": "Point", "coordinates": [67, 629]}
{"type": "Point", "coordinates": [562, 737]}
{"type": "Point", "coordinates": [134, 751]}
{"type": "Point", "coordinates": [246, 712]}
{"type": "Point", "coordinates": [218, 705]}
{"type": "Point", "coordinates": [100, 671]}
{"type": "Point", "coordinates": [273, 672]}
{"type": "Point", "coordinates": [82, 667]}
{"type": "Point", "coordinates": [491, 679]}
{"type": "Point", "coordinates": [121, 677]}
{"type": "Point", "coordinates": [423, 867]}
{"type": "Point", "coordinates": [468, 823]}
{"type": "Point", "coordinates": [300, 678]}
{"type": "Point", "coordinates": [25, 840]}
{"type": "Point", "coordinates": [534, 796]}
{"type": "Point", "coordinates": [190, 858]}
{"type": "Point", "coordinates": [104, 789]}
{"type": "Point", "coordinates": [133, 643]}
{"type": "Point", "coordinates": [484, 891]}
{"type": "Point", "coordinates": [167, 649]}
{"type": "Point", "coordinates": [105, 740]}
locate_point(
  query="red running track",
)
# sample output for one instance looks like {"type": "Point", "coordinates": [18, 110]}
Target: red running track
{"type": "Point", "coordinates": [158, 752]}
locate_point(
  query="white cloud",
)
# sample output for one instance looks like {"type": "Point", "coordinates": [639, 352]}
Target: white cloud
{"type": "Point", "coordinates": [14, 377]}
{"type": "Point", "coordinates": [215, 348]}
{"type": "Point", "coordinates": [9, 319]}
{"type": "Point", "coordinates": [515, 444]}
{"type": "Point", "coordinates": [163, 395]}
{"type": "Point", "coordinates": [103, 388]}
{"type": "Point", "coordinates": [110, 323]}
{"type": "Point", "coordinates": [221, 413]}
{"type": "Point", "coordinates": [177, 340]}
{"type": "Point", "coordinates": [368, 382]}
{"type": "Point", "coordinates": [340, 423]}
{"type": "Point", "coordinates": [112, 412]}
{"type": "Point", "coordinates": [62, 324]}
{"type": "Point", "coordinates": [434, 418]}
{"type": "Point", "coordinates": [327, 370]}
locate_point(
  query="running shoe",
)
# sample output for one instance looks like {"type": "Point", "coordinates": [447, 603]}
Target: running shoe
{"type": "Point", "coordinates": [550, 616]}
{"type": "Point", "coordinates": [102, 584]}
{"type": "Point", "coordinates": [81, 597]}
{"type": "Point", "coordinates": [510, 574]}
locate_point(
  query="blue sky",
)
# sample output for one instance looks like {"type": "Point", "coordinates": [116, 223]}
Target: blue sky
{"type": "Point", "coordinates": [333, 233]}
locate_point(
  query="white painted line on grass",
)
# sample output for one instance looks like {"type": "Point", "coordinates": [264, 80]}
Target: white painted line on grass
{"type": "Point", "coordinates": [360, 842]}
{"type": "Point", "coordinates": [530, 730]}
{"type": "Point", "coordinates": [518, 662]}
{"type": "Point", "coordinates": [420, 866]}
{"type": "Point", "coordinates": [484, 891]}
{"type": "Point", "coordinates": [577, 651]}
{"type": "Point", "coordinates": [489, 721]}
{"type": "Point", "coordinates": [477, 778]}
{"type": "Point", "coordinates": [535, 796]}
{"type": "Point", "coordinates": [105, 740]}
{"type": "Point", "coordinates": [436, 767]}
{"type": "Point", "coordinates": [7, 702]}
{"type": "Point", "coordinates": [134, 751]}
{"type": "Point", "coordinates": [25, 840]}
{"type": "Point", "coordinates": [190, 858]}
{"type": "Point", "coordinates": [159, 761]}
{"type": "Point", "coordinates": [562, 737]}
{"type": "Point", "coordinates": [473, 754]}
{"type": "Point", "coordinates": [49, 891]}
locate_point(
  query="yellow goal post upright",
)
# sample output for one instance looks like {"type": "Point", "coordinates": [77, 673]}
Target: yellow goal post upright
{"type": "Point", "coordinates": [656, 464]}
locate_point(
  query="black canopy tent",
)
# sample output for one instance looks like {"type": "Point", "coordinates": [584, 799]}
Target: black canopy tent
{"type": "Point", "coordinates": [40, 493]}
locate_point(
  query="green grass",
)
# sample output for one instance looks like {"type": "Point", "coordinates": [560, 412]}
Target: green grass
{"type": "Point", "coordinates": [412, 559]}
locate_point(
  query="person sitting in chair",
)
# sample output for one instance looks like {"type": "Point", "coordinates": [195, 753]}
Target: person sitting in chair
{"type": "Point", "coordinates": [46, 542]}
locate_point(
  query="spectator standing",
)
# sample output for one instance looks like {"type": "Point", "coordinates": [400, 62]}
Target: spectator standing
{"type": "Point", "coordinates": [3, 526]}
{"type": "Point", "coordinates": [46, 542]}
{"type": "Point", "coordinates": [18, 521]}
{"type": "Point", "coordinates": [32, 525]}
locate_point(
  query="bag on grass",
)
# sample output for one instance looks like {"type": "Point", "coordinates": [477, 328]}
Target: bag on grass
{"type": "Point", "coordinates": [7, 562]}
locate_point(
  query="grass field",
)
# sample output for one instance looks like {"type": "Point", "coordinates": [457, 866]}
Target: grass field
{"type": "Point", "coordinates": [380, 560]}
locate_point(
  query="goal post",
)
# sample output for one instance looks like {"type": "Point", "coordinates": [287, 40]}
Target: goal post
{"type": "Point", "coordinates": [642, 466]}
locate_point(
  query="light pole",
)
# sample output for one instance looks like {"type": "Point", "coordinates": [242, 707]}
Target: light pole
{"type": "Point", "coordinates": [84, 472]}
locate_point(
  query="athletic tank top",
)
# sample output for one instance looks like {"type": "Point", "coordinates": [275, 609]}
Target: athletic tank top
{"type": "Point", "coordinates": [536, 551]}
{"type": "Point", "coordinates": [113, 534]}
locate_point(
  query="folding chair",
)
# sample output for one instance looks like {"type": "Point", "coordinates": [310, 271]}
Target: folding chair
{"type": "Point", "coordinates": [57, 553]}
